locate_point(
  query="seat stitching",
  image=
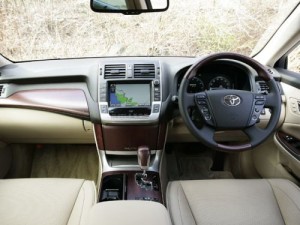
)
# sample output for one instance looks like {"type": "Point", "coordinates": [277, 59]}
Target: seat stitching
{"type": "Point", "coordinates": [82, 205]}
{"type": "Point", "coordinates": [187, 203]}
{"type": "Point", "coordinates": [276, 200]}
{"type": "Point", "coordinates": [75, 201]}
{"type": "Point", "coordinates": [169, 204]}
{"type": "Point", "coordinates": [179, 202]}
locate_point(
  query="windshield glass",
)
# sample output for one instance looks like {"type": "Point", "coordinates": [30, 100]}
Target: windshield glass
{"type": "Point", "coordinates": [48, 29]}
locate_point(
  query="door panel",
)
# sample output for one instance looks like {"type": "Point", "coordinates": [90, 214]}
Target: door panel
{"type": "Point", "coordinates": [288, 140]}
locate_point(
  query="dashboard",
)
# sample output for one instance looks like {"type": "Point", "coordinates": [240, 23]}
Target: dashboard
{"type": "Point", "coordinates": [66, 100]}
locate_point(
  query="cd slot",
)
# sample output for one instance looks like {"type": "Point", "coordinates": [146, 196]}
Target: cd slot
{"type": "Point", "coordinates": [141, 111]}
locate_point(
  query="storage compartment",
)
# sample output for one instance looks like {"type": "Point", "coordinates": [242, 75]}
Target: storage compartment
{"type": "Point", "coordinates": [113, 188]}
{"type": "Point", "coordinates": [127, 185]}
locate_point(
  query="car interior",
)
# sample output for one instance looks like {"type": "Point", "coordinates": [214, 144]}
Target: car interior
{"type": "Point", "coordinates": [210, 139]}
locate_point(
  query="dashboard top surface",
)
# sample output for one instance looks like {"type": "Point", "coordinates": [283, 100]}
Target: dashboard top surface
{"type": "Point", "coordinates": [84, 74]}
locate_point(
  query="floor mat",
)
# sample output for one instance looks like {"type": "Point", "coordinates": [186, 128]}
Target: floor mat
{"type": "Point", "coordinates": [66, 161]}
{"type": "Point", "coordinates": [192, 162]}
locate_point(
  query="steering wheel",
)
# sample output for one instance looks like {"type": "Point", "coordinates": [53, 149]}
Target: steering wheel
{"type": "Point", "coordinates": [226, 109]}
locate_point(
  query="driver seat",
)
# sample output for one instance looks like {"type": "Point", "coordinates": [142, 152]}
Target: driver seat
{"type": "Point", "coordinates": [234, 202]}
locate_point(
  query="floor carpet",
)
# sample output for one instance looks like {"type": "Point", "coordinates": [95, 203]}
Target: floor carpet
{"type": "Point", "coordinates": [66, 161]}
{"type": "Point", "coordinates": [193, 162]}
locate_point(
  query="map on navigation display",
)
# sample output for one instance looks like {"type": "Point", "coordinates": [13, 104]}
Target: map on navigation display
{"type": "Point", "coordinates": [129, 95]}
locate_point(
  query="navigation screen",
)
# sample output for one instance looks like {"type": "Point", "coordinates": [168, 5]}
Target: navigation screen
{"type": "Point", "coordinates": [129, 95]}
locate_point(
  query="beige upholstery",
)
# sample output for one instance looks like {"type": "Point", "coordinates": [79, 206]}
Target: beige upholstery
{"type": "Point", "coordinates": [129, 213]}
{"type": "Point", "coordinates": [230, 202]}
{"type": "Point", "coordinates": [45, 201]}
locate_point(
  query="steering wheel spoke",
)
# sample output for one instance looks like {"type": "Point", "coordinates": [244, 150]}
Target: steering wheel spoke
{"type": "Point", "coordinates": [189, 100]}
{"type": "Point", "coordinates": [271, 101]}
{"type": "Point", "coordinates": [254, 133]}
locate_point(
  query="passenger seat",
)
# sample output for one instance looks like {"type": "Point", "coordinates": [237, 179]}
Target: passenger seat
{"type": "Point", "coordinates": [46, 201]}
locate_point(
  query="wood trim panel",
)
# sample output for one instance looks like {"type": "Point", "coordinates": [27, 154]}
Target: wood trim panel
{"type": "Point", "coordinates": [99, 136]}
{"type": "Point", "coordinates": [70, 102]}
{"type": "Point", "coordinates": [129, 137]}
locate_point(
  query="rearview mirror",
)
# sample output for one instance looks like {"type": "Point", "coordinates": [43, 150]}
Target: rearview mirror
{"type": "Point", "coordinates": [129, 6]}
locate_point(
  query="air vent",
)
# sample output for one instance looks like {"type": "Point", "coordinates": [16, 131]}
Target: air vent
{"type": "Point", "coordinates": [1, 89]}
{"type": "Point", "coordinates": [262, 87]}
{"type": "Point", "coordinates": [144, 71]}
{"type": "Point", "coordinates": [113, 71]}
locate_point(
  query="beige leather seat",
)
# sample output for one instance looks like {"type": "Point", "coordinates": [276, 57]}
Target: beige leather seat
{"type": "Point", "coordinates": [129, 212]}
{"type": "Point", "coordinates": [45, 201]}
{"type": "Point", "coordinates": [230, 202]}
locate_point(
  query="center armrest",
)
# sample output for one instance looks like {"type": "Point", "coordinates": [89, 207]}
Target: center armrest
{"type": "Point", "coordinates": [129, 213]}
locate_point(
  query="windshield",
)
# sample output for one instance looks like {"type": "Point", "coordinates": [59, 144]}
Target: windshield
{"type": "Point", "coordinates": [49, 29]}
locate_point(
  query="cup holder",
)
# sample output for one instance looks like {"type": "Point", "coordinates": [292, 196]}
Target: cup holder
{"type": "Point", "coordinates": [113, 188]}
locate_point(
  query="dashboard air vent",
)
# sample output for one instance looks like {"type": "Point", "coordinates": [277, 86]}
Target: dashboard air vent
{"type": "Point", "coordinates": [144, 71]}
{"type": "Point", "coordinates": [113, 71]}
{"type": "Point", "coordinates": [1, 89]}
{"type": "Point", "coordinates": [262, 87]}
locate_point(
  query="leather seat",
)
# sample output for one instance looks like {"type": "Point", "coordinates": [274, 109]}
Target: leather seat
{"type": "Point", "coordinates": [230, 202]}
{"type": "Point", "coordinates": [45, 201]}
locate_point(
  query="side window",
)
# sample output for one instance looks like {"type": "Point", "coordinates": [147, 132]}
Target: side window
{"type": "Point", "coordinates": [294, 60]}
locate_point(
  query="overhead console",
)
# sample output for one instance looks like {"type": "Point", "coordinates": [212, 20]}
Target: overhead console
{"type": "Point", "coordinates": [130, 93]}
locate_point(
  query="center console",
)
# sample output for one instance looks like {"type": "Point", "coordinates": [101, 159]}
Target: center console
{"type": "Point", "coordinates": [130, 100]}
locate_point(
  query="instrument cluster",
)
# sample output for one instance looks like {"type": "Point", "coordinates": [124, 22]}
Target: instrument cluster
{"type": "Point", "coordinates": [218, 77]}
{"type": "Point", "coordinates": [217, 81]}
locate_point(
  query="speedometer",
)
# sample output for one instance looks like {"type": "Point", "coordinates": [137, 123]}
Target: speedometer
{"type": "Point", "coordinates": [195, 85]}
{"type": "Point", "coordinates": [219, 82]}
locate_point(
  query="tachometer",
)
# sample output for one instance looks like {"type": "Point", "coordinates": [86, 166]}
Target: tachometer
{"type": "Point", "coordinates": [195, 85]}
{"type": "Point", "coordinates": [219, 82]}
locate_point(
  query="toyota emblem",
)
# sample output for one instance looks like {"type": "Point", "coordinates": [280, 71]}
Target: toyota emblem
{"type": "Point", "coordinates": [232, 100]}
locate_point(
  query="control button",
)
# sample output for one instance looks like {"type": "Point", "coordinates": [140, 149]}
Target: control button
{"type": "Point", "coordinates": [260, 97]}
{"type": "Point", "coordinates": [256, 110]}
{"type": "Point", "coordinates": [156, 98]}
{"type": "Point", "coordinates": [254, 117]}
{"type": "Point", "coordinates": [156, 89]}
{"type": "Point", "coordinates": [204, 109]}
{"type": "Point", "coordinates": [201, 102]}
{"type": "Point", "coordinates": [289, 138]}
{"type": "Point", "coordinates": [103, 109]}
{"type": "Point", "coordinates": [156, 82]}
{"type": "Point", "coordinates": [207, 116]}
{"type": "Point", "coordinates": [201, 96]}
{"type": "Point", "coordinates": [260, 102]}
{"type": "Point", "coordinates": [156, 108]}
{"type": "Point", "coordinates": [156, 94]}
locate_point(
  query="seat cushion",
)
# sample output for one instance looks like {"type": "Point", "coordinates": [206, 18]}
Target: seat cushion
{"type": "Point", "coordinates": [242, 202]}
{"type": "Point", "coordinates": [45, 201]}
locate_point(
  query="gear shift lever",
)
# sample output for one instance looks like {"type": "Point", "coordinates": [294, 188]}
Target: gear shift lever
{"type": "Point", "coordinates": [143, 154]}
